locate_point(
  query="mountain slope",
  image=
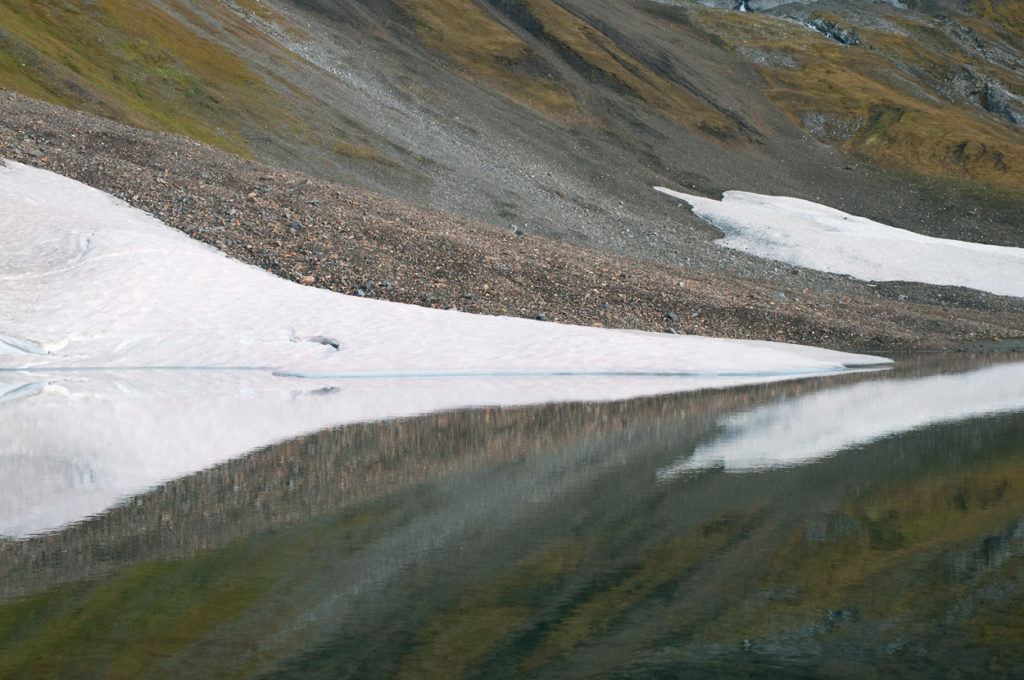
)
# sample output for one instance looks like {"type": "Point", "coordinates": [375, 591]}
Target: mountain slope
{"type": "Point", "coordinates": [558, 115]}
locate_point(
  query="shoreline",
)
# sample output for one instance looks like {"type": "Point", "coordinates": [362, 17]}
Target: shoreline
{"type": "Point", "coordinates": [356, 242]}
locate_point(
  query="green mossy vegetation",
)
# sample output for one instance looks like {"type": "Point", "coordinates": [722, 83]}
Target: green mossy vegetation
{"type": "Point", "coordinates": [264, 11]}
{"type": "Point", "coordinates": [601, 53]}
{"type": "Point", "coordinates": [487, 50]}
{"type": "Point", "coordinates": [138, 64]}
{"type": "Point", "coordinates": [888, 84]}
{"type": "Point", "coordinates": [359, 153]}
{"type": "Point", "coordinates": [1001, 18]}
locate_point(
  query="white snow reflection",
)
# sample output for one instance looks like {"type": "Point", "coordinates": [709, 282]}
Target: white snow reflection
{"type": "Point", "coordinates": [804, 429]}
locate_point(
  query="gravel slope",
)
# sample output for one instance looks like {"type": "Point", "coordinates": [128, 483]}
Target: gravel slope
{"type": "Point", "coordinates": [356, 242]}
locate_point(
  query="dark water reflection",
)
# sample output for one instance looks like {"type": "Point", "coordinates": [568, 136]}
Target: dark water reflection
{"type": "Point", "coordinates": [550, 542]}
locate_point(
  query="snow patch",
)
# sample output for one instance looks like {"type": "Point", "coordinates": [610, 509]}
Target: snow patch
{"type": "Point", "coordinates": [143, 295]}
{"type": "Point", "coordinates": [814, 236]}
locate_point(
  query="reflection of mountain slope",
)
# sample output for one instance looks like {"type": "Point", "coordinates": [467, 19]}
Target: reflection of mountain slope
{"type": "Point", "coordinates": [921, 567]}
{"type": "Point", "coordinates": [337, 469]}
{"type": "Point", "coordinates": [532, 538]}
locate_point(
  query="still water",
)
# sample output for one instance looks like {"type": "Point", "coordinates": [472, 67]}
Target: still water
{"type": "Point", "coordinates": [857, 526]}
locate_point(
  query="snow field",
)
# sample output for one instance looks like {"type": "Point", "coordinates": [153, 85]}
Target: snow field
{"type": "Point", "coordinates": [814, 236]}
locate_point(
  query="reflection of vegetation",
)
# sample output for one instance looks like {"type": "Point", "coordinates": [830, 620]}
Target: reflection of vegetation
{"type": "Point", "coordinates": [121, 627]}
{"type": "Point", "coordinates": [126, 625]}
{"type": "Point", "coordinates": [598, 609]}
{"type": "Point", "coordinates": [457, 639]}
{"type": "Point", "coordinates": [870, 551]}
{"type": "Point", "coordinates": [516, 608]}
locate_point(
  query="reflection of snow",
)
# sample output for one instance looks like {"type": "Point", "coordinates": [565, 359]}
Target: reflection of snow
{"type": "Point", "coordinates": [818, 237]}
{"type": "Point", "coordinates": [114, 330]}
{"type": "Point", "coordinates": [126, 431]}
{"type": "Point", "coordinates": [824, 423]}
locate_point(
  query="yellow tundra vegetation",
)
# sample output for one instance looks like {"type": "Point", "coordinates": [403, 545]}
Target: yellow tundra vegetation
{"type": "Point", "coordinates": [139, 64]}
{"type": "Point", "coordinates": [488, 50]}
{"type": "Point", "coordinates": [883, 93]}
{"type": "Point", "coordinates": [601, 53]}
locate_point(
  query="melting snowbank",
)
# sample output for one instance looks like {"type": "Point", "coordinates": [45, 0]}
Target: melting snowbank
{"type": "Point", "coordinates": [808, 428]}
{"type": "Point", "coordinates": [815, 236]}
{"type": "Point", "coordinates": [102, 308]}
{"type": "Point", "coordinates": [87, 281]}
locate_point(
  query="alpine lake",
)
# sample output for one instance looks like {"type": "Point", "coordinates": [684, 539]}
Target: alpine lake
{"type": "Point", "coordinates": [862, 525]}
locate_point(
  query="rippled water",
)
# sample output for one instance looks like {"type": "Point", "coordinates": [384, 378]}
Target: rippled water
{"type": "Point", "coordinates": [859, 526]}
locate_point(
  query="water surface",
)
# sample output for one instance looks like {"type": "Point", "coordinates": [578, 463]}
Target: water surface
{"type": "Point", "coordinates": [857, 526]}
